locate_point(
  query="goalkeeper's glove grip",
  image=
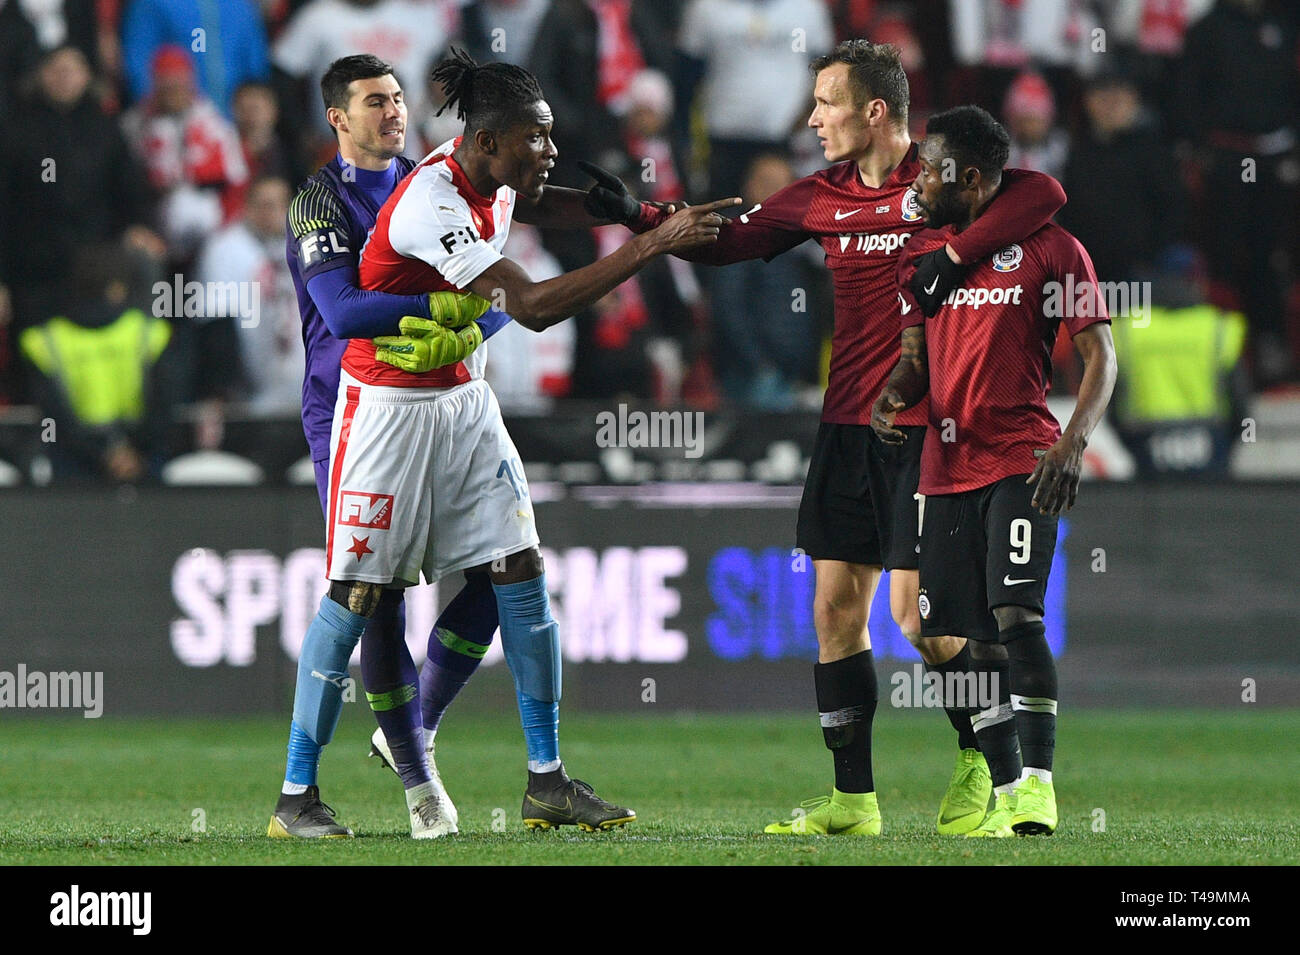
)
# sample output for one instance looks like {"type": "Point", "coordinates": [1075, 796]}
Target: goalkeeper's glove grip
{"type": "Point", "coordinates": [470, 337]}
{"type": "Point", "coordinates": [421, 348]}
{"type": "Point", "coordinates": [456, 309]}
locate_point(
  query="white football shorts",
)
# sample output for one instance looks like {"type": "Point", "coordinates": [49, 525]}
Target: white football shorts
{"type": "Point", "coordinates": [422, 479]}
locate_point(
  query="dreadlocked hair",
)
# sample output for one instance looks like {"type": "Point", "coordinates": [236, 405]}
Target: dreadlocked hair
{"type": "Point", "coordinates": [487, 96]}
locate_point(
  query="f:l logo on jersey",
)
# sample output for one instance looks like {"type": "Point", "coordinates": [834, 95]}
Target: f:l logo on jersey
{"type": "Point", "coordinates": [317, 244]}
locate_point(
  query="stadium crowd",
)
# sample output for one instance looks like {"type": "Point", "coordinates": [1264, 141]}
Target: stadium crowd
{"type": "Point", "coordinates": [159, 141]}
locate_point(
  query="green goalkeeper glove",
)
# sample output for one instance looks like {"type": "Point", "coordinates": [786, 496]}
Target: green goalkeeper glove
{"type": "Point", "coordinates": [425, 345]}
{"type": "Point", "coordinates": [456, 309]}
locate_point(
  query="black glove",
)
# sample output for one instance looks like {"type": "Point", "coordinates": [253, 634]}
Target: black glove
{"type": "Point", "coordinates": [936, 276]}
{"type": "Point", "coordinates": [609, 198]}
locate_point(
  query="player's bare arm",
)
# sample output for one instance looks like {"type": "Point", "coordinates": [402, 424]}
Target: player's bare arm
{"type": "Point", "coordinates": [906, 386]}
{"type": "Point", "coordinates": [1057, 472]}
{"type": "Point", "coordinates": [539, 305]}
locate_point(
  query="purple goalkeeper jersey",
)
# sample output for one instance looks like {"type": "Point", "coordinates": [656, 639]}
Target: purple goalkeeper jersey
{"type": "Point", "coordinates": [329, 220]}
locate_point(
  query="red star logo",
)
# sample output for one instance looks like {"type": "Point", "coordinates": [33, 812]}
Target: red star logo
{"type": "Point", "coordinates": [359, 546]}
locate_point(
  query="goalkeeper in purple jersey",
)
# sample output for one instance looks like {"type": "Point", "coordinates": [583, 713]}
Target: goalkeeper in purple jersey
{"type": "Point", "coordinates": [329, 219]}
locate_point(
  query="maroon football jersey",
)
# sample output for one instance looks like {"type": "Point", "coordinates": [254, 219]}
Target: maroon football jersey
{"type": "Point", "coordinates": [990, 354]}
{"type": "Point", "coordinates": [862, 230]}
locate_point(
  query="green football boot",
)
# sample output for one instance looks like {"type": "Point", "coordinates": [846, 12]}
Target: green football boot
{"type": "Point", "coordinates": [967, 800]}
{"type": "Point", "coordinates": [997, 824]}
{"type": "Point", "coordinates": [839, 814]}
{"type": "Point", "coordinates": [1035, 813]}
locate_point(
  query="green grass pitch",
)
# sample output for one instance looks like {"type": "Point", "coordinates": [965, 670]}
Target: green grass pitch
{"type": "Point", "coordinates": [1149, 788]}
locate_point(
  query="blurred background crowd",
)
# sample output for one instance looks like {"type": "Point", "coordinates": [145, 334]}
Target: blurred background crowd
{"type": "Point", "coordinates": [161, 141]}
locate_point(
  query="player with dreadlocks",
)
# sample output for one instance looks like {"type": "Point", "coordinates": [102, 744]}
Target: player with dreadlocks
{"type": "Point", "coordinates": [427, 451]}
{"type": "Point", "coordinates": [327, 224]}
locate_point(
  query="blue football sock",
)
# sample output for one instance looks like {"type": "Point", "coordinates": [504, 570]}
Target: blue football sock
{"type": "Point", "coordinates": [389, 676]}
{"type": "Point", "coordinates": [457, 645]}
{"type": "Point", "coordinates": [541, 723]}
{"type": "Point", "coordinates": [318, 697]}
{"type": "Point", "coordinates": [531, 641]}
{"type": "Point", "coordinates": [304, 757]}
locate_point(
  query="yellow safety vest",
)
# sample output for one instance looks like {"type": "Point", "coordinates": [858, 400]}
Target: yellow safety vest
{"type": "Point", "coordinates": [1174, 368]}
{"type": "Point", "coordinates": [101, 370]}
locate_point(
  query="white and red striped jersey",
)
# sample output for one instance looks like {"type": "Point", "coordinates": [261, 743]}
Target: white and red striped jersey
{"type": "Point", "coordinates": [434, 233]}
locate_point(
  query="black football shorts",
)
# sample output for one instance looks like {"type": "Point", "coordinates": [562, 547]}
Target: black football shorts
{"type": "Point", "coordinates": [859, 502]}
{"type": "Point", "coordinates": [979, 550]}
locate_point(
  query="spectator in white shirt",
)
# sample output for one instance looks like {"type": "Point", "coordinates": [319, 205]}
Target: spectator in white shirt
{"type": "Point", "coordinates": [248, 257]}
{"type": "Point", "coordinates": [751, 57]}
{"type": "Point", "coordinates": [410, 34]}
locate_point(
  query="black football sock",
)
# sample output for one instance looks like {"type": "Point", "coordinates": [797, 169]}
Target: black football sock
{"type": "Point", "coordinates": [965, 695]}
{"type": "Point", "coordinates": [995, 727]}
{"type": "Point", "coordinates": [846, 702]}
{"type": "Point", "coordinates": [1033, 691]}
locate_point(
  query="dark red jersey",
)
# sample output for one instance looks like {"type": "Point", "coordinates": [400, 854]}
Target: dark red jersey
{"type": "Point", "coordinates": [862, 230]}
{"type": "Point", "coordinates": [990, 348]}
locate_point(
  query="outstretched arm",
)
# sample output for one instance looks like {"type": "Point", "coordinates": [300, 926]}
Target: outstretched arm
{"type": "Point", "coordinates": [764, 231]}
{"type": "Point", "coordinates": [606, 202]}
{"type": "Point", "coordinates": [539, 305]}
{"type": "Point", "coordinates": [740, 242]}
{"type": "Point", "coordinates": [559, 208]}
